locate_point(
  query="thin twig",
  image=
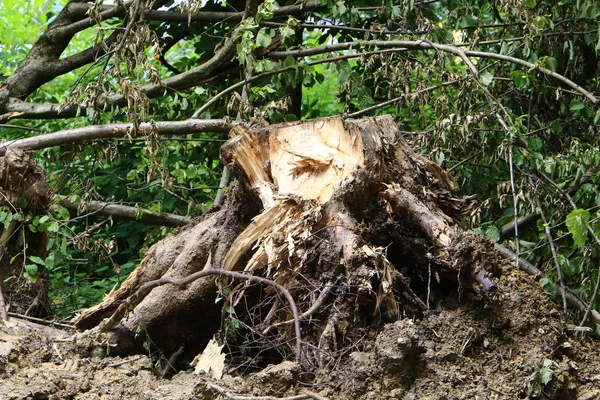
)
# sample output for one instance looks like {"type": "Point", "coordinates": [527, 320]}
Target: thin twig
{"type": "Point", "coordinates": [400, 98]}
{"type": "Point", "coordinates": [592, 300]}
{"type": "Point", "coordinates": [26, 128]}
{"type": "Point", "coordinates": [552, 249]}
{"type": "Point", "coordinates": [240, 84]}
{"type": "Point", "coordinates": [171, 361]}
{"type": "Point", "coordinates": [117, 364]}
{"type": "Point", "coordinates": [305, 395]}
{"type": "Point", "coordinates": [91, 229]}
{"type": "Point", "coordinates": [315, 306]}
{"type": "Point", "coordinates": [41, 321]}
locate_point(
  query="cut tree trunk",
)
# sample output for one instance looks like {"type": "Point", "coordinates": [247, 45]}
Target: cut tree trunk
{"type": "Point", "coordinates": [344, 214]}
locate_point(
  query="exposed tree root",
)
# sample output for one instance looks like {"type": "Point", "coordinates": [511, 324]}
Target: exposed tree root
{"type": "Point", "coordinates": [135, 299]}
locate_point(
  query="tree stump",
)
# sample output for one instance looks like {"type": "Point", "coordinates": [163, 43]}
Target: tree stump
{"type": "Point", "coordinates": [359, 228]}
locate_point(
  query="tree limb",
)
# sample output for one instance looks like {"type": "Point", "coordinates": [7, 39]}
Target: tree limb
{"type": "Point", "coordinates": [240, 84]}
{"type": "Point", "coordinates": [42, 63]}
{"type": "Point", "coordinates": [81, 9]}
{"type": "Point", "coordinates": [508, 230]}
{"type": "Point", "coordinates": [112, 131]}
{"type": "Point", "coordinates": [422, 45]}
{"type": "Point", "coordinates": [124, 212]}
{"type": "Point", "coordinates": [3, 313]}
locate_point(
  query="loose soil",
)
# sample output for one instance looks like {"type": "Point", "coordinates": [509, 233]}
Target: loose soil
{"type": "Point", "coordinates": [469, 347]}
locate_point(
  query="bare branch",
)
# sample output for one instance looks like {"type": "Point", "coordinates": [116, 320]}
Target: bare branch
{"type": "Point", "coordinates": [423, 45]}
{"type": "Point", "coordinates": [552, 248]}
{"type": "Point", "coordinates": [397, 99]}
{"type": "Point", "coordinates": [94, 132]}
{"type": "Point", "coordinates": [125, 212]}
{"type": "Point", "coordinates": [240, 84]}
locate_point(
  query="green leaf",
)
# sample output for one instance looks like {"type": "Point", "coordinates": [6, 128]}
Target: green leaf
{"type": "Point", "coordinates": [263, 39]}
{"type": "Point", "coordinates": [546, 372]}
{"type": "Point", "coordinates": [520, 78]}
{"type": "Point", "coordinates": [545, 282]}
{"type": "Point", "coordinates": [53, 227]}
{"type": "Point", "coordinates": [36, 260]}
{"type": "Point", "coordinates": [576, 105]}
{"type": "Point", "coordinates": [487, 78]}
{"type": "Point", "coordinates": [31, 272]}
{"type": "Point", "coordinates": [577, 223]}
{"type": "Point", "coordinates": [493, 233]}
{"type": "Point", "coordinates": [467, 21]}
{"type": "Point", "coordinates": [551, 63]}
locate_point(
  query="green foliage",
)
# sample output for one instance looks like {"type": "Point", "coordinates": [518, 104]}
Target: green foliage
{"type": "Point", "coordinates": [577, 222]}
{"type": "Point", "coordinates": [541, 376]}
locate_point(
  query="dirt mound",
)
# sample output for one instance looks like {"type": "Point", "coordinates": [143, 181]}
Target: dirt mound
{"type": "Point", "coordinates": [514, 345]}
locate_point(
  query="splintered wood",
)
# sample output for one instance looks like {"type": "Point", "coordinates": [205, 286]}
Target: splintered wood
{"type": "Point", "coordinates": [289, 166]}
{"type": "Point", "coordinates": [311, 160]}
{"type": "Point", "coordinates": [307, 161]}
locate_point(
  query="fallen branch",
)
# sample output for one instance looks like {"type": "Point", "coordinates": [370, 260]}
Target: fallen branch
{"type": "Point", "coordinates": [508, 230]}
{"type": "Point", "coordinates": [112, 131]}
{"type": "Point", "coordinates": [411, 95]}
{"type": "Point", "coordinates": [125, 212]}
{"type": "Point", "coordinates": [554, 254]}
{"type": "Point", "coordinates": [117, 364]}
{"type": "Point", "coordinates": [135, 299]}
{"type": "Point", "coordinates": [88, 231]}
{"type": "Point", "coordinates": [305, 395]}
{"type": "Point", "coordinates": [81, 9]}
{"type": "Point", "coordinates": [256, 77]}
{"type": "Point", "coordinates": [220, 197]}
{"type": "Point", "coordinates": [171, 362]}
{"type": "Point", "coordinates": [590, 307]}
{"type": "Point", "coordinates": [40, 321]}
